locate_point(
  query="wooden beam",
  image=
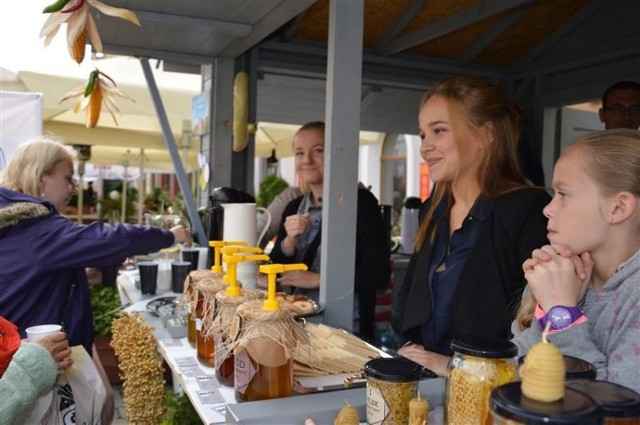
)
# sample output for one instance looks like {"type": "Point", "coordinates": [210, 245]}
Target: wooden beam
{"type": "Point", "coordinates": [462, 19]}
{"type": "Point", "coordinates": [396, 28]}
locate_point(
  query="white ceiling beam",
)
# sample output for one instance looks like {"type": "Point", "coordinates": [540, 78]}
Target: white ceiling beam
{"type": "Point", "coordinates": [210, 25]}
{"type": "Point", "coordinates": [592, 7]}
{"type": "Point", "coordinates": [155, 54]}
{"type": "Point", "coordinates": [278, 16]}
{"type": "Point", "coordinates": [292, 27]}
{"type": "Point", "coordinates": [459, 20]}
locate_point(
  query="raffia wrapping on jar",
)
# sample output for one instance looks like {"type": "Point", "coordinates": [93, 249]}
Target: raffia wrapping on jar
{"type": "Point", "coordinates": [190, 299]}
{"type": "Point", "coordinates": [226, 306]}
{"type": "Point", "coordinates": [270, 337]}
{"type": "Point", "coordinates": [209, 287]}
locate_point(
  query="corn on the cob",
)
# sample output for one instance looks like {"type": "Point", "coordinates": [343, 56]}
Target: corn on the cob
{"type": "Point", "coordinates": [76, 50]}
{"type": "Point", "coordinates": [95, 105]}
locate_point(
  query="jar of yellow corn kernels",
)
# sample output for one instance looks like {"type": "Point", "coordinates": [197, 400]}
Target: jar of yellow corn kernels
{"type": "Point", "coordinates": [478, 366]}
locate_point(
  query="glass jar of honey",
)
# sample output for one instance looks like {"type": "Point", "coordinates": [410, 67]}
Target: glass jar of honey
{"type": "Point", "coordinates": [191, 296]}
{"type": "Point", "coordinates": [620, 405]}
{"type": "Point", "coordinates": [205, 313]}
{"type": "Point", "coordinates": [510, 407]}
{"type": "Point", "coordinates": [477, 366]}
{"type": "Point", "coordinates": [226, 305]}
{"type": "Point", "coordinates": [263, 342]}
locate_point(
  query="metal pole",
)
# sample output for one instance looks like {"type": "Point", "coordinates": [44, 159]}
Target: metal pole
{"type": "Point", "coordinates": [175, 156]}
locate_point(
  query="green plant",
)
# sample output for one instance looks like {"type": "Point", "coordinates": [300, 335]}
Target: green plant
{"type": "Point", "coordinates": [269, 188]}
{"type": "Point", "coordinates": [180, 411]}
{"type": "Point", "coordinates": [105, 302]}
{"type": "Point", "coordinates": [109, 205]}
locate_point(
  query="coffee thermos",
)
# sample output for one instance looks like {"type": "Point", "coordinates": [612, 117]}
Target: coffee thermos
{"type": "Point", "coordinates": [409, 224]}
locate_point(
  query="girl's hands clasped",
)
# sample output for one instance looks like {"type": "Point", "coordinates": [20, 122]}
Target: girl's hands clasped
{"type": "Point", "coordinates": [557, 276]}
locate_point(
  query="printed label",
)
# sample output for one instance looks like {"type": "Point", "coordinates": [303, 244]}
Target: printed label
{"type": "Point", "coordinates": [206, 382]}
{"type": "Point", "coordinates": [377, 408]}
{"type": "Point", "coordinates": [244, 371]}
{"type": "Point", "coordinates": [198, 324]}
{"type": "Point", "coordinates": [210, 397]}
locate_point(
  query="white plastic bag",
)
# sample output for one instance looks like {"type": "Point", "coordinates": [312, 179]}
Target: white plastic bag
{"type": "Point", "coordinates": [77, 396]}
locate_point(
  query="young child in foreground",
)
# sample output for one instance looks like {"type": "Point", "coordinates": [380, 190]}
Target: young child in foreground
{"type": "Point", "coordinates": [587, 281]}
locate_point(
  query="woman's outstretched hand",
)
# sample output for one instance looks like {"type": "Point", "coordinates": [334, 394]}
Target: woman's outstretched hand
{"type": "Point", "coordinates": [182, 235]}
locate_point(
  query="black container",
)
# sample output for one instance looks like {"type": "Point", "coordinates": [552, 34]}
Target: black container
{"type": "Point", "coordinates": [619, 404]}
{"type": "Point", "coordinates": [148, 277]}
{"type": "Point", "coordinates": [179, 272]}
{"type": "Point", "coordinates": [191, 256]}
{"type": "Point", "coordinates": [510, 406]}
{"type": "Point", "coordinates": [109, 274]}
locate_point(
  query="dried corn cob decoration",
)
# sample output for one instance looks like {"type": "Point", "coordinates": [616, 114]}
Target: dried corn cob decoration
{"type": "Point", "coordinates": [97, 92]}
{"type": "Point", "coordinates": [142, 372]}
{"type": "Point", "coordinates": [76, 14]}
{"type": "Point", "coordinates": [77, 48]}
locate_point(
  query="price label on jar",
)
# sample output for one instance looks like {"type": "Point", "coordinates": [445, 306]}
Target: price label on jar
{"type": "Point", "coordinates": [244, 372]}
{"type": "Point", "coordinates": [377, 408]}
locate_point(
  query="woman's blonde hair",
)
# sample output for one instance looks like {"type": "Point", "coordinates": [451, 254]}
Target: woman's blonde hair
{"type": "Point", "coordinates": [472, 103]}
{"type": "Point", "coordinates": [611, 158]}
{"type": "Point", "coordinates": [32, 160]}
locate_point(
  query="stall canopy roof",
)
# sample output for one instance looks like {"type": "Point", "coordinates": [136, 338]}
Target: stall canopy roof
{"type": "Point", "coordinates": [497, 38]}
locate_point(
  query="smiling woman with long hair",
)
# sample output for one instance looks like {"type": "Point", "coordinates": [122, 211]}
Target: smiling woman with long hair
{"type": "Point", "coordinates": [481, 222]}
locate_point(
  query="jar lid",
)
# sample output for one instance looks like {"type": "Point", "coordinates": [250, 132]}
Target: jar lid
{"type": "Point", "coordinates": [575, 368]}
{"type": "Point", "coordinates": [393, 369]}
{"type": "Point", "coordinates": [615, 400]}
{"type": "Point", "coordinates": [575, 407]}
{"type": "Point", "coordinates": [491, 348]}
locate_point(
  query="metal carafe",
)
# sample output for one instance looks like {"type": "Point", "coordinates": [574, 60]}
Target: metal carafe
{"type": "Point", "coordinates": [409, 224]}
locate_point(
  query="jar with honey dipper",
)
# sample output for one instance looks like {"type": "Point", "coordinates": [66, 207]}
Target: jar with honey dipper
{"type": "Point", "coordinates": [263, 336]}
{"type": "Point", "coordinates": [226, 303]}
{"type": "Point", "coordinates": [542, 397]}
{"type": "Point", "coordinates": [477, 366]}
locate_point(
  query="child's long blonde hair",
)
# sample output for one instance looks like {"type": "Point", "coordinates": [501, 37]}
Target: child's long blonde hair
{"type": "Point", "coordinates": [611, 158]}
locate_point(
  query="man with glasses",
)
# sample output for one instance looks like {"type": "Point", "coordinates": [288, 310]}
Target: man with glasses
{"type": "Point", "coordinates": [621, 106]}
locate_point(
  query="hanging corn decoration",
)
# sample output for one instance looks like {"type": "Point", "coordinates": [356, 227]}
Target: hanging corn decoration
{"type": "Point", "coordinates": [100, 90]}
{"type": "Point", "coordinates": [80, 23]}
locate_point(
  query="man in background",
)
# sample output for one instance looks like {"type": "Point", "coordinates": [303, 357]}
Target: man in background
{"type": "Point", "coordinates": [621, 106]}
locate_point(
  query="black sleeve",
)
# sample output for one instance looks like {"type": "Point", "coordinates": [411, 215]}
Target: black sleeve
{"type": "Point", "coordinates": [276, 255]}
{"type": "Point", "coordinates": [372, 268]}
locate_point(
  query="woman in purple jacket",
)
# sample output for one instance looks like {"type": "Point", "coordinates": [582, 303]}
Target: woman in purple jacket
{"type": "Point", "coordinates": [43, 255]}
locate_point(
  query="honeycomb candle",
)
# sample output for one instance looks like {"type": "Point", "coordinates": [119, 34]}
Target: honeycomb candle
{"type": "Point", "coordinates": [543, 371]}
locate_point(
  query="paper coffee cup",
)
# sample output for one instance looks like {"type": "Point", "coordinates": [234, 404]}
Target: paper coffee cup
{"type": "Point", "coordinates": [36, 333]}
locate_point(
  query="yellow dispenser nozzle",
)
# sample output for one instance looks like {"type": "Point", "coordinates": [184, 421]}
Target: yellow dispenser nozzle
{"type": "Point", "coordinates": [272, 303]}
{"type": "Point", "coordinates": [217, 245]}
{"type": "Point", "coordinates": [231, 277]}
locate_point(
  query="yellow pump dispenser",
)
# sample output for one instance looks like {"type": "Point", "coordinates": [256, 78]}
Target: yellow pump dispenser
{"type": "Point", "coordinates": [231, 277]}
{"type": "Point", "coordinates": [217, 246]}
{"type": "Point", "coordinates": [272, 303]}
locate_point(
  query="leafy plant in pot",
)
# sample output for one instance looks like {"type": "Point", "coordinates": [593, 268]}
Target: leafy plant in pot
{"type": "Point", "coordinates": [105, 302]}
